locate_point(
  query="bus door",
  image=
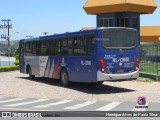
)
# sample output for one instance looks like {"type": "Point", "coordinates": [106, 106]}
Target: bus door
{"type": "Point", "coordinates": [21, 56]}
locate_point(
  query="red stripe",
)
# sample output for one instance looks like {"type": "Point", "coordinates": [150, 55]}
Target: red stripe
{"type": "Point", "coordinates": [55, 72]}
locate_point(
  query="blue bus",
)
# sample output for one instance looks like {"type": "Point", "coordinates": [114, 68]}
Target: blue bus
{"type": "Point", "coordinates": [92, 56]}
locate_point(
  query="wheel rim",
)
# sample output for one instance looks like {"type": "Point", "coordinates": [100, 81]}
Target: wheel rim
{"type": "Point", "coordinates": [64, 77]}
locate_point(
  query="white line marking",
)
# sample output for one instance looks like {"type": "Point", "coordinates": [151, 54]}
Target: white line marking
{"type": "Point", "coordinates": [53, 104]}
{"type": "Point", "coordinates": [12, 100]}
{"type": "Point", "coordinates": [140, 109]}
{"type": "Point", "coordinates": [26, 103]}
{"type": "Point", "coordinates": [109, 106]}
{"type": "Point", "coordinates": [81, 105]}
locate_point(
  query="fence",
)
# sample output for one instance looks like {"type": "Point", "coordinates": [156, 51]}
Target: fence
{"type": "Point", "coordinates": [150, 60]}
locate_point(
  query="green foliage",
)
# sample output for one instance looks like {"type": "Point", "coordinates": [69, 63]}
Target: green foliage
{"type": "Point", "coordinates": [146, 79]}
{"type": "Point", "coordinates": [8, 68]}
{"type": "Point", "coordinates": [16, 62]}
{"type": "Point", "coordinates": [4, 46]}
{"type": "Point", "coordinates": [16, 54]}
{"type": "Point", "coordinates": [142, 52]}
{"type": "Point", "coordinates": [150, 67]}
{"type": "Point", "coordinates": [17, 57]}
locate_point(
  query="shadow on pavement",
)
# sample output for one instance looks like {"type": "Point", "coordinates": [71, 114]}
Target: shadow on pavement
{"type": "Point", "coordinates": [92, 88]}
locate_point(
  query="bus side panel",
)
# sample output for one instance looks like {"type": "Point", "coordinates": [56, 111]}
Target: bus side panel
{"type": "Point", "coordinates": [22, 65]}
{"type": "Point", "coordinates": [79, 68]}
{"type": "Point", "coordinates": [35, 62]}
{"type": "Point", "coordinates": [44, 66]}
{"type": "Point", "coordinates": [49, 67]}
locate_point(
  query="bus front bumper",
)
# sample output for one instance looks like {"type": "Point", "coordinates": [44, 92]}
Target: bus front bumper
{"type": "Point", "coordinates": [104, 77]}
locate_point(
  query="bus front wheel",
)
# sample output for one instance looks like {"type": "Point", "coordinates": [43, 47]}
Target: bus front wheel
{"type": "Point", "coordinates": [64, 78]}
{"type": "Point", "coordinates": [30, 73]}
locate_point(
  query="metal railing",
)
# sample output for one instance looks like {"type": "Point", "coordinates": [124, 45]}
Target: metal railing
{"type": "Point", "coordinates": [150, 59]}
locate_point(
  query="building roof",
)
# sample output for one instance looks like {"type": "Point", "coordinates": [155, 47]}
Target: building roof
{"type": "Point", "coordinates": [150, 30]}
{"type": "Point", "coordinates": [150, 33]}
{"type": "Point", "coordinates": [111, 6]}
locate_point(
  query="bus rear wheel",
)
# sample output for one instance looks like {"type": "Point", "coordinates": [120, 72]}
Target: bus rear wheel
{"type": "Point", "coordinates": [31, 76]}
{"type": "Point", "coordinates": [64, 78]}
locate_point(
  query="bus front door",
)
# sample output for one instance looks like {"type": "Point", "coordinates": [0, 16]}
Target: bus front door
{"type": "Point", "coordinates": [21, 57]}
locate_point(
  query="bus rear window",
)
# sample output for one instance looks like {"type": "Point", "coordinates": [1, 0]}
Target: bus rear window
{"type": "Point", "coordinates": [119, 39]}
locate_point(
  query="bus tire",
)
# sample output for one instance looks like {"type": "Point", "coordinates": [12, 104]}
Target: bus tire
{"type": "Point", "coordinates": [64, 78]}
{"type": "Point", "coordinates": [31, 76]}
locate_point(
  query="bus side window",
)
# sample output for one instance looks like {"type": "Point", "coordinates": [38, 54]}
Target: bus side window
{"type": "Point", "coordinates": [64, 45]}
{"type": "Point", "coordinates": [79, 46]}
{"type": "Point", "coordinates": [28, 47]}
{"type": "Point", "coordinates": [70, 46]}
{"type": "Point", "coordinates": [48, 48]}
{"type": "Point", "coordinates": [44, 47]}
{"type": "Point", "coordinates": [34, 48]}
{"type": "Point", "coordinates": [75, 42]}
{"type": "Point", "coordinates": [38, 50]}
{"type": "Point", "coordinates": [90, 44]}
{"type": "Point", "coordinates": [54, 47]}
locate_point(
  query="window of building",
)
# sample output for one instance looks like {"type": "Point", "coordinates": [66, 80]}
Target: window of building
{"type": "Point", "coordinates": [123, 22]}
{"type": "Point", "coordinates": [106, 22]}
{"type": "Point", "coordinates": [134, 22]}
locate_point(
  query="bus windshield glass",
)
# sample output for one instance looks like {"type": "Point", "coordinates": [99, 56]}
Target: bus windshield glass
{"type": "Point", "coordinates": [119, 39]}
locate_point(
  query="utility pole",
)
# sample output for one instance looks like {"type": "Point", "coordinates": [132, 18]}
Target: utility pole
{"type": "Point", "coordinates": [7, 25]}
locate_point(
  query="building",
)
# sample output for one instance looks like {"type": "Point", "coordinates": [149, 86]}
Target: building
{"type": "Point", "coordinates": [150, 33]}
{"type": "Point", "coordinates": [122, 13]}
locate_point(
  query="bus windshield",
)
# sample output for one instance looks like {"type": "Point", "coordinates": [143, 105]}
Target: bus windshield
{"type": "Point", "coordinates": [119, 39]}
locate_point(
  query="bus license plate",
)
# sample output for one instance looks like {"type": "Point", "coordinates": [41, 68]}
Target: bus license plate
{"type": "Point", "coordinates": [120, 71]}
